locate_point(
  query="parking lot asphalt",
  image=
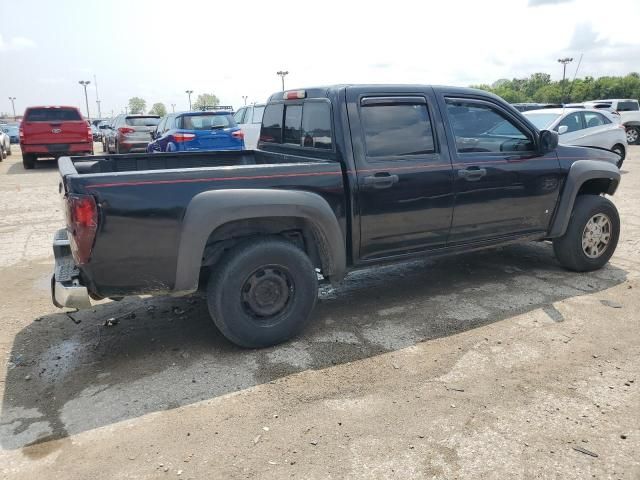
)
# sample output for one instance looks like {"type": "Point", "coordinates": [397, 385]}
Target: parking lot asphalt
{"type": "Point", "coordinates": [498, 364]}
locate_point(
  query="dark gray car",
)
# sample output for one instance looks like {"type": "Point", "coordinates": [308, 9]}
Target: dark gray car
{"type": "Point", "coordinates": [131, 133]}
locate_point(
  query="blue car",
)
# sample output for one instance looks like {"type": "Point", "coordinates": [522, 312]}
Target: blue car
{"type": "Point", "coordinates": [197, 131]}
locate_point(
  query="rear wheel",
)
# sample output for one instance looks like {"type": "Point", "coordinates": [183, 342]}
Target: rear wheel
{"type": "Point", "coordinates": [591, 236]}
{"type": "Point", "coordinates": [28, 161]}
{"type": "Point", "coordinates": [633, 135]}
{"type": "Point", "coordinates": [8, 150]}
{"type": "Point", "coordinates": [620, 150]}
{"type": "Point", "coordinates": [262, 293]}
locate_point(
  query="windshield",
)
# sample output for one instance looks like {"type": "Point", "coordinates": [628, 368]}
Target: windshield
{"type": "Point", "coordinates": [542, 120]}
{"type": "Point", "coordinates": [207, 121]}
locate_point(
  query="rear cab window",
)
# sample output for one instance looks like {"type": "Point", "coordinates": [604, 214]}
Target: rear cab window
{"type": "Point", "coordinates": [52, 115]}
{"type": "Point", "coordinates": [306, 124]}
{"type": "Point", "coordinates": [206, 121]}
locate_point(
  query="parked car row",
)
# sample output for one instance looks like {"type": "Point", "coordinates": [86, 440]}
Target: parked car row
{"type": "Point", "coordinates": [585, 127]}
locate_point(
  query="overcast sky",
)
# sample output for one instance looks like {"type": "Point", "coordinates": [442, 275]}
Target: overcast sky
{"type": "Point", "coordinates": [158, 49]}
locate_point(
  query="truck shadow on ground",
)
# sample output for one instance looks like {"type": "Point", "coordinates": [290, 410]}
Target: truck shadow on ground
{"type": "Point", "coordinates": [41, 167]}
{"type": "Point", "coordinates": [71, 374]}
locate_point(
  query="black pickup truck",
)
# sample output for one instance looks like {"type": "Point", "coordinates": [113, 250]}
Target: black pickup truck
{"type": "Point", "coordinates": [344, 177]}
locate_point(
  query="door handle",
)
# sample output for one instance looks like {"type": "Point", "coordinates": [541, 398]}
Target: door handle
{"type": "Point", "coordinates": [380, 180]}
{"type": "Point", "coordinates": [472, 174]}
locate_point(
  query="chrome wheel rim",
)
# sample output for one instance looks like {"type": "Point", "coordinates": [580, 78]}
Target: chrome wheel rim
{"type": "Point", "coordinates": [632, 135]}
{"type": "Point", "coordinates": [596, 235]}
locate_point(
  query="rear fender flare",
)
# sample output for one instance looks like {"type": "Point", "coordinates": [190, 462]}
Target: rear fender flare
{"type": "Point", "coordinates": [210, 210]}
{"type": "Point", "coordinates": [580, 172]}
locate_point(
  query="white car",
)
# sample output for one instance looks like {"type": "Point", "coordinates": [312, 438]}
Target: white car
{"type": "Point", "coordinates": [629, 111]}
{"type": "Point", "coordinates": [584, 127]}
{"type": "Point", "coordinates": [249, 119]}
{"type": "Point", "coordinates": [5, 145]}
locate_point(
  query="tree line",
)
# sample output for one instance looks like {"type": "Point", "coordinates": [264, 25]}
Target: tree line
{"type": "Point", "coordinates": [539, 88]}
{"type": "Point", "coordinates": [138, 105]}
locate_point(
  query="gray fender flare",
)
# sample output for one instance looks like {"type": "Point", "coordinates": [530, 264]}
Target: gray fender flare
{"type": "Point", "coordinates": [580, 172]}
{"type": "Point", "coordinates": [208, 211]}
{"type": "Point", "coordinates": [632, 123]}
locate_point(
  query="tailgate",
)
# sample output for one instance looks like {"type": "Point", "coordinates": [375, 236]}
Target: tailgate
{"type": "Point", "coordinates": [39, 133]}
{"type": "Point", "coordinates": [216, 138]}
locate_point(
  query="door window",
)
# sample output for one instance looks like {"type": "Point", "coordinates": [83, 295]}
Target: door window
{"type": "Point", "coordinates": [478, 127]}
{"type": "Point", "coordinates": [257, 115]}
{"type": "Point", "coordinates": [573, 122]}
{"type": "Point", "coordinates": [593, 119]}
{"type": "Point", "coordinates": [239, 115]}
{"type": "Point", "coordinates": [397, 129]}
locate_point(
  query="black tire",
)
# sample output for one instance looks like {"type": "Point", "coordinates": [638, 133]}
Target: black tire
{"type": "Point", "coordinates": [620, 150]}
{"type": "Point", "coordinates": [3, 153]}
{"type": "Point", "coordinates": [262, 267]}
{"type": "Point", "coordinates": [633, 135]}
{"type": "Point", "coordinates": [568, 248]}
{"type": "Point", "coordinates": [8, 150]}
{"type": "Point", "coordinates": [28, 161]}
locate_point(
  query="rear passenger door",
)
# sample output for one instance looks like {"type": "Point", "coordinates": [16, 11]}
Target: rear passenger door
{"type": "Point", "coordinates": [405, 187]}
{"type": "Point", "coordinates": [504, 187]}
{"type": "Point", "coordinates": [597, 131]}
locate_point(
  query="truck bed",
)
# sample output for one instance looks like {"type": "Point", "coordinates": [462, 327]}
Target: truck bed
{"type": "Point", "coordinates": [142, 200]}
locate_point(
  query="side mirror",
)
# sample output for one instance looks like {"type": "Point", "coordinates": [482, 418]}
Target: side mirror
{"type": "Point", "coordinates": [562, 129]}
{"type": "Point", "coordinates": [548, 141]}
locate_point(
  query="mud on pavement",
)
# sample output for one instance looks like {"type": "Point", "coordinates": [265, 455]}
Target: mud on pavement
{"type": "Point", "coordinates": [478, 366]}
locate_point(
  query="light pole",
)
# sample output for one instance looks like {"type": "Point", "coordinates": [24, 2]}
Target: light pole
{"type": "Point", "coordinates": [84, 83]}
{"type": "Point", "coordinates": [13, 106]}
{"type": "Point", "coordinates": [282, 73]}
{"type": "Point", "coordinates": [173, 108]}
{"type": "Point", "coordinates": [189, 92]}
{"type": "Point", "coordinates": [564, 62]}
{"type": "Point", "coordinates": [95, 81]}
{"type": "Point", "coordinates": [244, 97]}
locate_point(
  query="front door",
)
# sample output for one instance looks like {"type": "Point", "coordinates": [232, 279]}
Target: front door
{"type": "Point", "coordinates": [405, 188]}
{"type": "Point", "coordinates": [503, 185]}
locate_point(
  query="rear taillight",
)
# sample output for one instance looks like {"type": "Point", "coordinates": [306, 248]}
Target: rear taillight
{"type": "Point", "coordinates": [21, 133]}
{"type": "Point", "coordinates": [82, 223]}
{"type": "Point", "coordinates": [183, 137]}
{"type": "Point", "coordinates": [239, 134]}
{"type": "Point", "coordinates": [89, 134]}
{"type": "Point", "coordinates": [126, 130]}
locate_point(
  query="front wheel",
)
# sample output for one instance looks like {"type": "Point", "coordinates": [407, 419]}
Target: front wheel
{"type": "Point", "coordinates": [262, 293]}
{"type": "Point", "coordinates": [633, 135]}
{"type": "Point", "coordinates": [591, 236]}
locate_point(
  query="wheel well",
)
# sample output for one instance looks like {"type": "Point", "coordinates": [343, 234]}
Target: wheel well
{"type": "Point", "coordinates": [595, 186]}
{"type": "Point", "coordinates": [297, 231]}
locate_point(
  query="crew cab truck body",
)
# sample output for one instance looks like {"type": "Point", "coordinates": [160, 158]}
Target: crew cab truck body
{"type": "Point", "coordinates": [53, 132]}
{"type": "Point", "coordinates": [344, 177]}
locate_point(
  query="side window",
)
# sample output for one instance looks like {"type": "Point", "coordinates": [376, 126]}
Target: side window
{"type": "Point", "coordinates": [481, 128]}
{"type": "Point", "coordinates": [239, 115]}
{"type": "Point", "coordinates": [168, 125]}
{"type": "Point", "coordinates": [573, 122]}
{"type": "Point", "coordinates": [257, 115]}
{"type": "Point", "coordinates": [316, 125]}
{"type": "Point", "coordinates": [628, 106]}
{"type": "Point", "coordinates": [593, 119]}
{"type": "Point", "coordinates": [160, 127]}
{"type": "Point", "coordinates": [292, 123]}
{"type": "Point", "coordinates": [396, 130]}
{"type": "Point", "coordinates": [271, 130]}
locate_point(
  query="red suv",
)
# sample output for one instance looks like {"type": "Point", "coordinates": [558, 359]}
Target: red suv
{"type": "Point", "coordinates": [53, 132]}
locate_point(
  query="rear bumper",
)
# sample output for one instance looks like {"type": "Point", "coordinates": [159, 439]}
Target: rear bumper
{"type": "Point", "coordinates": [66, 287]}
{"type": "Point", "coordinates": [133, 147]}
{"type": "Point", "coordinates": [57, 149]}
